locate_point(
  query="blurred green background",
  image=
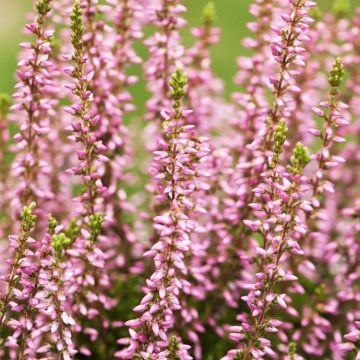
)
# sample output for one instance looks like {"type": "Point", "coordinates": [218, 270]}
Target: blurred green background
{"type": "Point", "coordinates": [232, 18]}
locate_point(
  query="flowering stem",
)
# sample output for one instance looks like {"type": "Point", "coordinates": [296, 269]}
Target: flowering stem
{"type": "Point", "coordinates": [27, 314]}
{"type": "Point", "coordinates": [260, 321]}
{"type": "Point", "coordinates": [285, 57]}
{"type": "Point", "coordinates": [174, 168]}
{"type": "Point", "coordinates": [330, 120]}
{"type": "Point", "coordinates": [30, 168]}
{"type": "Point", "coordinates": [27, 225]}
{"type": "Point", "coordinates": [44, 252]}
{"type": "Point", "coordinates": [4, 108]}
{"type": "Point", "coordinates": [88, 122]}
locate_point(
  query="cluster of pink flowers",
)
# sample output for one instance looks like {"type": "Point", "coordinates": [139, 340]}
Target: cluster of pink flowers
{"type": "Point", "coordinates": [222, 228]}
{"type": "Point", "coordinates": [174, 170]}
{"type": "Point", "coordinates": [34, 111]}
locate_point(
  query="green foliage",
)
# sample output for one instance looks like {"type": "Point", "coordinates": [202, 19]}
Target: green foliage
{"type": "Point", "coordinates": [209, 14]}
{"type": "Point", "coordinates": [96, 225]}
{"type": "Point", "coordinates": [316, 13]}
{"type": "Point", "coordinates": [128, 292]}
{"type": "Point", "coordinates": [341, 8]}
{"type": "Point", "coordinates": [320, 292]}
{"type": "Point", "coordinates": [59, 242]}
{"type": "Point", "coordinates": [52, 224]}
{"type": "Point", "coordinates": [173, 348]}
{"type": "Point", "coordinates": [177, 83]}
{"type": "Point", "coordinates": [279, 141]}
{"type": "Point", "coordinates": [77, 30]}
{"type": "Point", "coordinates": [43, 7]}
{"type": "Point", "coordinates": [299, 159]}
{"type": "Point", "coordinates": [214, 349]}
{"type": "Point", "coordinates": [72, 231]}
{"type": "Point", "coordinates": [5, 102]}
{"type": "Point", "coordinates": [292, 350]}
{"type": "Point", "coordinates": [238, 356]}
{"type": "Point", "coordinates": [28, 219]}
{"type": "Point", "coordinates": [336, 76]}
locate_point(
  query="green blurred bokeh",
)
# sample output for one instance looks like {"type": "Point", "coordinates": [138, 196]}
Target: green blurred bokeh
{"type": "Point", "coordinates": [232, 18]}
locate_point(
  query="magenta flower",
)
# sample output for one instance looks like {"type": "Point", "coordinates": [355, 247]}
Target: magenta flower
{"type": "Point", "coordinates": [174, 168]}
{"type": "Point", "coordinates": [165, 52]}
{"type": "Point", "coordinates": [236, 243]}
{"type": "Point", "coordinates": [34, 110]}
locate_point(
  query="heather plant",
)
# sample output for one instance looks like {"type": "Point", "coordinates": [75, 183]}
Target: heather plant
{"type": "Point", "coordinates": [199, 226]}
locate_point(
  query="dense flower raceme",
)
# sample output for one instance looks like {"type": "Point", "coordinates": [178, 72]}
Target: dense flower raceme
{"type": "Point", "coordinates": [110, 52]}
{"type": "Point", "coordinates": [18, 244]}
{"type": "Point", "coordinates": [90, 278]}
{"type": "Point", "coordinates": [4, 167]}
{"type": "Point", "coordinates": [331, 113]}
{"type": "Point", "coordinates": [35, 106]}
{"type": "Point", "coordinates": [127, 16]}
{"type": "Point", "coordinates": [242, 241]}
{"type": "Point", "coordinates": [174, 168]}
{"type": "Point", "coordinates": [254, 116]}
{"type": "Point", "coordinates": [278, 224]}
{"type": "Point", "coordinates": [165, 49]}
{"type": "Point", "coordinates": [201, 79]}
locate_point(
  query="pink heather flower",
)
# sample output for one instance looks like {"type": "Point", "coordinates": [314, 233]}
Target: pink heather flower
{"type": "Point", "coordinates": [86, 253]}
{"type": "Point", "coordinates": [25, 295]}
{"type": "Point", "coordinates": [112, 87]}
{"type": "Point", "coordinates": [55, 328]}
{"type": "Point", "coordinates": [307, 89]}
{"type": "Point", "coordinates": [253, 74]}
{"type": "Point", "coordinates": [21, 267]}
{"type": "Point", "coordinates": [34, 110]}
{"type": "Point", "coordinates": [5, 224]}
{"type": "Point", "coordinates": [109, 53]}
{"type": "Point", "coordinates": [165, 51]}
{"type": "Point", "coordinates": [279, 199]}
{"type": "Point", "coordinates": [90, 154]}
{"type": "Point", "coordinates": [252, 127]}
{"type": "Point", "coordinates": [174, 167]}
{"type": "Point", "coordinates": [250, 114]}
{"type": "Point", "coordinates": [204, 89]}
{"type": "Point", "coordinates": [287, 49]}
{"type": "Point", "coordinates": [317, 239]}
{"type": "Point", "coordinates": [332, 121]}
{"type": "Point", "coordinates": [28, 294]}
{"type": "Point", "coordinates": [233, 237]}
{"type": "Point", "coordinates": [354, 335]}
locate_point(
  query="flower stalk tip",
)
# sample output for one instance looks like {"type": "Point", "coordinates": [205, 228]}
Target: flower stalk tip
{"type": "Point", "coordinates": [279, 141]}
{"type": "Point", "coordinates": [341, 8]}
{"type": "Point", "coordinates": [209, 15]}
{"type": "Point", "coordinates": [336, 76]}
{"type": "Point", "coordinates": [28, 219]}
{"type": "Point", "coordinates": [59, 243]}
{"type": "Point", "coordinates": [177, 83]}
{"type": "Point", "coordinates": [96, 225]}
{"type": "Point", "coordinates": [52, 224]}
{"type": "Point", "coordinates": [43, 7]}
{"type": "Point", "coordinates": [299, 159]}
{"type": "Point", "coordinates": [77, 30]}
